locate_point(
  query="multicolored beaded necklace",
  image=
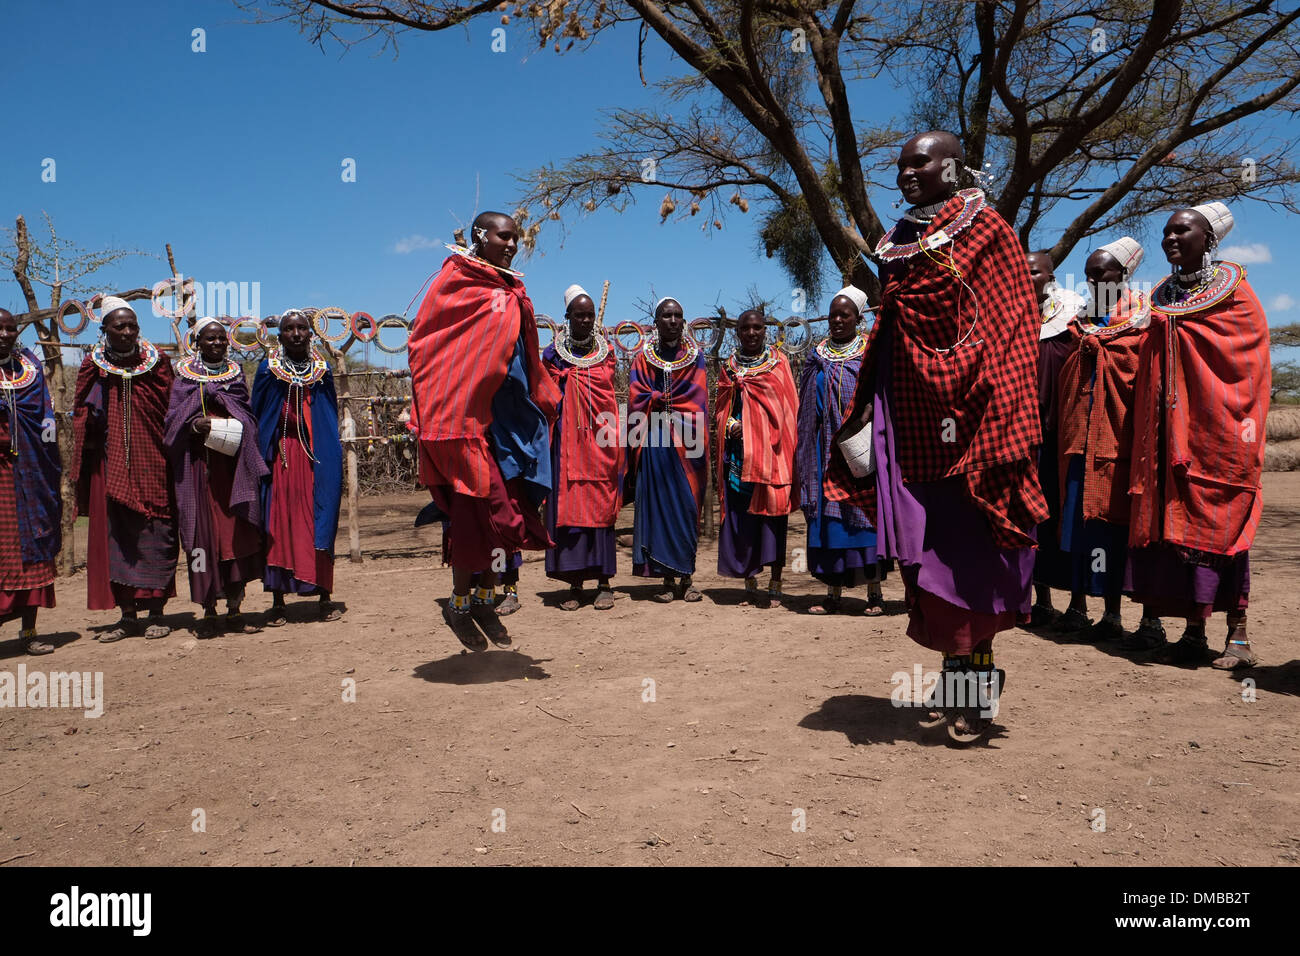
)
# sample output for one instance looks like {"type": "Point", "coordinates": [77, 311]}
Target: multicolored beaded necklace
{"type": "Point", "coordinates": [742, 367]}
{"type": "Point", "coordinates": [972, 202]}
{"type": "Point", "coordinates": [690, 352]}
{"type": "Point", "coordinates": [563, 348]}
{"type": "Point", "coordinates": [11, 381]}
{"type": "Point", "coordinates": [296, 373]}
{"type": "Point", "coordinates": [1138, 309]}
{"type": "Point", "coordinates": [298, 376]}
{"type": "Point", "coordinates": [148, 359]}
{"type": "Point", "coordinates": [1171, 298]}
{"type": "Point", "coordinates": [196, 370]}
{"type": "Point", "coordinates": [831, 352]}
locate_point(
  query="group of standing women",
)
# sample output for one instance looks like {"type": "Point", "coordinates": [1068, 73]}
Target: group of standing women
{"type": "Point", "coordinates": [173, 456]}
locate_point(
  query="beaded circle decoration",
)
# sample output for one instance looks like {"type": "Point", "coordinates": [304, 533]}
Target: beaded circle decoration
{"type": "Point", "coordinates": [26, 372]}
{"type": "Point", "coordinates": [148, 359]}
{"type": "Point", "coordinates": [690, 352]}
{"type": "Point", "coordinates": [1137, 309]}
{"type": "Point", "coordinates": [466, 254]}
{"type": "Point", "coordinates": [592, 358]}
{"type": "Point", "coordinates": [766, 362]}
{"type": "Point", "coordinates": [972, 202]}
{"type": "Point", "coordinates": [195, 371]}
{"type": "Point", "coordinates": [1166, 297]}
{"type": "Point", "coordinates": [832, 353]}
{"type": "Point", "coordinates": [316, 369]}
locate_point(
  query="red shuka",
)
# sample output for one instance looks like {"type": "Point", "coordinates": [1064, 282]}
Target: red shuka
{"type": "Point", "coordinates": [146, 486]}
{"type": "Point", "coordinates": [971, 410]}
{"type": "Point", "coordinates": [460, 348]}
{"type": "Point", "coordinates": [1096, 420]}
{"type": "Point", "coordinates": [587, 481]}
{"type": "Point", "coordinates": [1201, 400]}
{"type": "Point", "coordinates": [769, 431]}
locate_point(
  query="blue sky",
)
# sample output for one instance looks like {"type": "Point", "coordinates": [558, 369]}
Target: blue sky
{"type": "Point", "coordinates": [234, 156]}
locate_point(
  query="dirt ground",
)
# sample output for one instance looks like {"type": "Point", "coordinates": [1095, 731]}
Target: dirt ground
{"type": "Point", "coordinates": [553, 753]}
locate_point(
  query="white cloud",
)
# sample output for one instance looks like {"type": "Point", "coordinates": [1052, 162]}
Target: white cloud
{"type": "Point", "coordinates": [1250, 254]}
{"type": "Point", "coordinates": [415, 242]}
{"type": "Point", "coordinates": [1282, 303]}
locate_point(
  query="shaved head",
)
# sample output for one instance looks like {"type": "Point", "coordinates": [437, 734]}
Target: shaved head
{"type": "Point", "coordinates": [938, 142]}
{"type": "Point", "coordinates": [6, 314]}
{"type": "Point", "coordinates": [486, 220]}
{"type": "Point", "coordinates": [495, 238]}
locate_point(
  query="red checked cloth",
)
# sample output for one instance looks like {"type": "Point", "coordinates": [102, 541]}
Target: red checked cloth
{"type": "Point", "coordinates": [459, 352]}
{"type": "Point", "coordinates": [972, 411]}
{"type": "Point", "coordinates": [769, 430]}
{"type": "Point", "coordinates": [1208, 413]}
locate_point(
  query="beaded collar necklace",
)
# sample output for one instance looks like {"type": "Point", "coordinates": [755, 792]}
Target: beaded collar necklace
{"type": "Point", "coordinates": [564, 344]}
{"type": "Point", "coordinates": [742, 366]}
{"type": "Point", "coordinates": [831, 352]}
{"type": "Point", "coordinates": [197, 370]}
{"type": "Point", "coordinates": [1172, 298]}
{"type": "Point", "coordinates": [1137, 315]}
{"type": "Point", "coordinates": [296, 373]}
{"type": "Point", "coordinates": [924, 214]}
{"type": "Point", "coordinates": [13, 379]}
{"type": "Point", "coordinates": [972, 202]}
{"type": "Point", "coordinates": [148, 359]}
{"type": "Point", "coordinates": [466, 254]}
{"type": "Point", "coordinates": [689, 353]}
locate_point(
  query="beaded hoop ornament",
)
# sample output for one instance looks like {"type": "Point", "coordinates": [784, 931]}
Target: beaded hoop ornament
{"type": "Point", "coordinates": [690, 352]}
{"type": "Point", "coordinates": [148, 359]}
{"type": "Point", "coordinates": [76, 307]}
{"type": "Point", "coordinates": [195, 370]}
{"type": "Point", "coordinates": [831, 352]}
{"type": "Point", "coordinates": [625, 327]}
{"type": "Point", "coordinates": [275, 363]}
{"type": "Point", "coordinates": [696, 326]}
{"type": "Point", "coordinates": [546, 322]}
{"type": "Point", "coordinates": [320, 323]}
{"type": "Point", "coordinates": [1227, 276]}
{"type": "Point", "coordinates": [465, 253]}
{"type": "Point", "coordinates": [26, 372]}
{"type": "Point", "coordinates": [972, 202]}
{"type": "Point", "coordinates": [167, 287]}
{"type": "Point", "coordinates": [363, 326]}
{"type": "Point", "coordinates": [391, 322]}
{"type": "Point", "coordinates": [782, 338]}
{"type": "Point", "coordinates": [591, 359]}
{"type": "Point", "coordinates": [766, 362]}
{"type": "Point", "coordinates": [239, 325]}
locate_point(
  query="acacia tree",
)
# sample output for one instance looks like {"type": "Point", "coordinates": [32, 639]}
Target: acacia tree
{"type": "Point", "coordinates": [63, 268]}
{"type": "Point", "coordinates": [1117, 109]}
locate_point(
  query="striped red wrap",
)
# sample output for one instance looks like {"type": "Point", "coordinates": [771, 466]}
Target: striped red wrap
{"type": "Point", "coordinates": [591, 457]}
{"type": "Point", "coordinates": [1202, 393]}
{"type": "Point", "coordinates": [769, 431]}
{"type": "Point", "coordinates": [1096, 417]}
{"type": "Point", "coordinates": [459, 352]}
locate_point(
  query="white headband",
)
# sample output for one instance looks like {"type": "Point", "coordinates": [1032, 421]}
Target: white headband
{"type": "Point", "coordinates": [1218, 216]}
{"type": "Point", "coordinates": [111, 303]}
{"type": "Point", "coordinates": [208, 320]}
{"type": "Point", "coordinates": [572, 292]}
{"type": "Point", "coordinates": [666, 298]}
{"type": "Point", "coordinates": [1127, 252]}
{"type": "Point", "coordinates": [854, 295]}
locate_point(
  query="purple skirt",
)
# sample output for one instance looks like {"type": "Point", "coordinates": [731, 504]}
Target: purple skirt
{"type": "Point", "coordinates": [1160, 578]}
{"type": "Point", "coordinates": [581, 554]}
{"type": "Point", "coordinates": [748, 543]}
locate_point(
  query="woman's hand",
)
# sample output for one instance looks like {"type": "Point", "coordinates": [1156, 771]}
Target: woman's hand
{"type": "Point", "coordinates": [202, 426]}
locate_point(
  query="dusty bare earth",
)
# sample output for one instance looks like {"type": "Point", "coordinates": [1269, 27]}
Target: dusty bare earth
{"type": "Point", "coordinates": [756, 715]}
